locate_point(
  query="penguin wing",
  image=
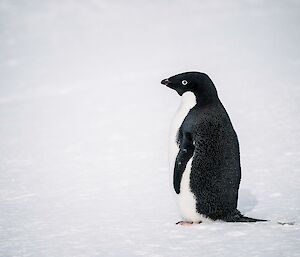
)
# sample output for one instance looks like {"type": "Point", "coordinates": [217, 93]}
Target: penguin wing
{"type": "Point", "coordinates": [186, 151]}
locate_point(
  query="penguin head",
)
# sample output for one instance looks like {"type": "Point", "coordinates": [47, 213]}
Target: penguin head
{"type": "Point", "coordinates": [196, 82]}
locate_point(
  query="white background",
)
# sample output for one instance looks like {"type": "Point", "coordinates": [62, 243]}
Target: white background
{"type": "Point", "coordinates": [84, 124]}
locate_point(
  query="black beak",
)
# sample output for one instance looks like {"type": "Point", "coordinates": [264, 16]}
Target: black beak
{"type": "Point", "coordinates": [165, 82]}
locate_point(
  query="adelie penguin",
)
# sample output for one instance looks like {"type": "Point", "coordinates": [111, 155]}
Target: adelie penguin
{"type": "Point", "coordinates": [204, 154]}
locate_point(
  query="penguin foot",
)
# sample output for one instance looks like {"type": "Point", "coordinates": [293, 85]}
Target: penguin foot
{"type": "Point", "coordinates": [187, 223]}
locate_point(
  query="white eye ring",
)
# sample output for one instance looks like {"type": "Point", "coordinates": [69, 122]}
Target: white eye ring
{"type": "Point", "coordinates": [184, 82]}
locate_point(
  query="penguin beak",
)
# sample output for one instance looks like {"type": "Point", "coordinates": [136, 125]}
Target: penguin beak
{"type": "Point", "coordinates": [169, 84]}
{"type": "Point", "coordinates": [165, 82]}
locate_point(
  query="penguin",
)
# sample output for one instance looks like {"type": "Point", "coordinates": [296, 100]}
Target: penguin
{"type": "Point", "coordinates": [204, 153]}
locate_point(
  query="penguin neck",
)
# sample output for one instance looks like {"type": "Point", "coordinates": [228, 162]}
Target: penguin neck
{"type": "Point", "coordinates": [188, 101]}
{"type": "Point", "coordinates": [207, 96]}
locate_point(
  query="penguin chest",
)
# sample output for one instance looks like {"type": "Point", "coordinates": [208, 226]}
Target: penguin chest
{"type": "Point", "coordinates": [186, 200]}
{"type": "Point", "coordinates": [188, 102]}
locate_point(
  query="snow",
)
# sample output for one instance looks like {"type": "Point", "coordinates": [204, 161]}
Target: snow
{"type": "Point", "coordinates": [84, 124]}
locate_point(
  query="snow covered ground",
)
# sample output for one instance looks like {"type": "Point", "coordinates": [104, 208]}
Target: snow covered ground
{"type": "Point", "coordinates": [84, 124]}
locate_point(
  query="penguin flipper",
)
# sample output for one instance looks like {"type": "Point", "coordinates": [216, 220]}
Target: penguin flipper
{"type": "Point", "coordinates": [186, 151]}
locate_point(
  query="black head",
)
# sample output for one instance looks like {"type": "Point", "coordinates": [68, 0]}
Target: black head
{"type": "Point", "coordinates": [197, 82]}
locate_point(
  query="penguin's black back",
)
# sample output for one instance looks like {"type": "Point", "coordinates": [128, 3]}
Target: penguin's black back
{"type": "Point", "coordinates": [216, 172]}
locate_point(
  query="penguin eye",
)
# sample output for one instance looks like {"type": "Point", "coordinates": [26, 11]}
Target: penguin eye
{"type": "Point", "coordinates": [184, 82]}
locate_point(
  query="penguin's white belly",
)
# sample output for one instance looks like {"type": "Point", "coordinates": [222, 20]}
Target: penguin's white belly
{"type": "Point", "coordinates": [186, 200]}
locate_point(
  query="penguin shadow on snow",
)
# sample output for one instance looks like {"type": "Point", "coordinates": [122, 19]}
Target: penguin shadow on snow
{"type": "Point", "coordinates": [247, 200]}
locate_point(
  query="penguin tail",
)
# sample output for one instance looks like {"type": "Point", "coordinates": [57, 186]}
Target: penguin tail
{"type": "Point", "coordinates": [241, 218]}
{"type": "Point", "coordinates": [246, 219]}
